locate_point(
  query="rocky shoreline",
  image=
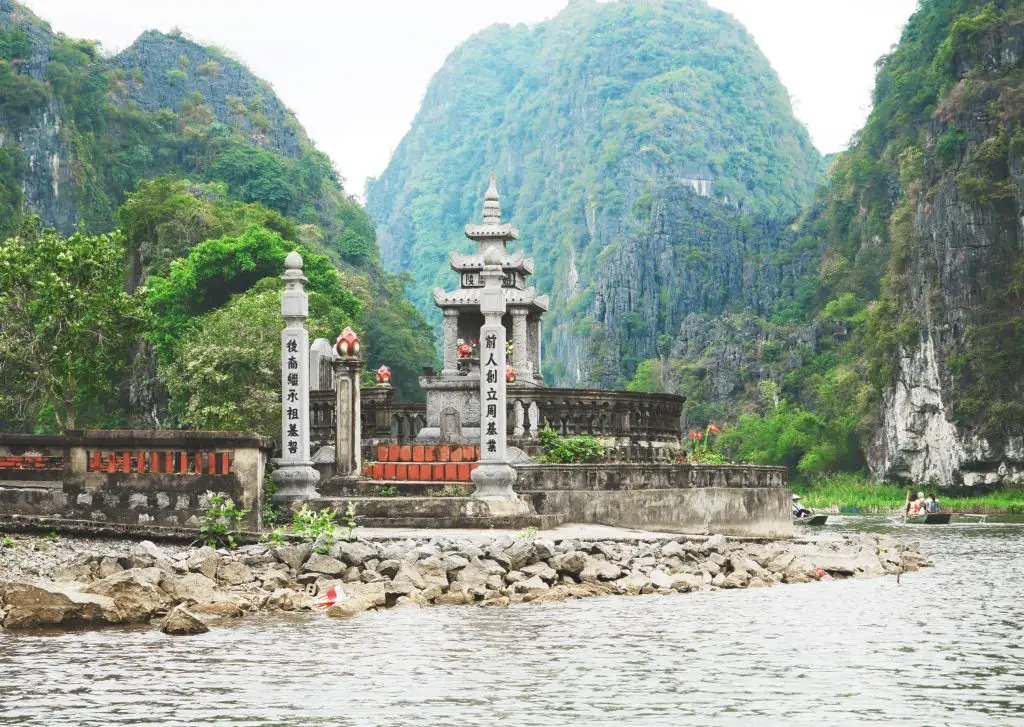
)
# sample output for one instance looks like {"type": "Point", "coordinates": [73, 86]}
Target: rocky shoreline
{"type": "Point", "coordinates": [69, 583]}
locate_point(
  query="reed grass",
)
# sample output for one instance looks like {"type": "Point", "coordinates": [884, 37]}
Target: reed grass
{"type": "Point", "coordinates": [855, 491]}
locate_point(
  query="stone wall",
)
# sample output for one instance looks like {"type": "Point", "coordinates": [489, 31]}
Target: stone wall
{"type": "Point", "coordinates": [738, 500]}
{"type": "Point", "coordinates": [130, 477]}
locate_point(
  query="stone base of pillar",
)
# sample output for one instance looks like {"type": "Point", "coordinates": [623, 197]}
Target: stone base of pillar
{"type": "Point", "coordinates": [494, 482]}
{"type": "Point", "coordinates": [294, 480]}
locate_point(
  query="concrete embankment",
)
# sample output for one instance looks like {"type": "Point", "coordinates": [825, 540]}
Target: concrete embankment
{"type": "Point", "coordinates": [76, 583]}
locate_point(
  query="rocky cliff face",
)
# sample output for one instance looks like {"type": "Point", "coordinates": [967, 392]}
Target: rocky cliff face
{"type": "Point", "coordinates": [953, 411]}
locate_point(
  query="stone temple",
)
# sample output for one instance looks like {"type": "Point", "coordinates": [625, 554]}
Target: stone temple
{"type": "Point", "coordinates": [453, 402]}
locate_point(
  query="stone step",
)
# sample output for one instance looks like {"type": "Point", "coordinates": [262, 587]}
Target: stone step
{"type": "Point", "coordinates": [425, 512]}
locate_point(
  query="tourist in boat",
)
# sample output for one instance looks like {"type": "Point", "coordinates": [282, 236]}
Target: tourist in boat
{"type": "Point", "coordinates": [931, 504]}
{"type": "Point", "coordinates": [913, 508]}
{"type": "Point", "coordinates": [798, 510]}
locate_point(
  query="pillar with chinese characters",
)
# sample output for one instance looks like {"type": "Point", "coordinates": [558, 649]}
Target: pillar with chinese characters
{"type": "Point", "coordinates": [348, 408]}
{"type": "Point", "coordinates": [493, 477]}
{"type": "Point", "coordinates": [295, 476]}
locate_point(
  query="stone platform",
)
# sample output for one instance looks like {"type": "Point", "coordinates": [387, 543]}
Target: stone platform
{"type": "Point", "coordinates": [429, 512]}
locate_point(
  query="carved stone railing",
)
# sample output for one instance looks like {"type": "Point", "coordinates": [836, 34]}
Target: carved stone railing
{"type": "Point", "coordinates": [609, 414]}
{"type": "Point", "coordinates": [381, 417]}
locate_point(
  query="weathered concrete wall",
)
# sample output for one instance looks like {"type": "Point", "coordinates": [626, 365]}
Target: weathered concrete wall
{"type": "Point", "coordinates": [130, 477]}
{"type": "Point", "coordinates": [739, 500]}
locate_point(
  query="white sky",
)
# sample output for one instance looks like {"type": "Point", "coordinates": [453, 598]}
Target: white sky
{"type": "Point", "coordinates": [355, 71]}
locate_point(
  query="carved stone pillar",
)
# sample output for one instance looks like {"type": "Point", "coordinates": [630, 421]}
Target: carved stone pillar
{"type": "Point", "coordinates": [450, 328]}
{"type": "Point", "coordinates": [520, 351]}
{"type": "Point", "coordinates": [535, 334]}
{"type": "Point", "coordinates": [348, 439]}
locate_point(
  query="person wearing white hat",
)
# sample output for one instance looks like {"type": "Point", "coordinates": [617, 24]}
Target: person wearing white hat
{"type": "Point", "coordinates": [798, 510]}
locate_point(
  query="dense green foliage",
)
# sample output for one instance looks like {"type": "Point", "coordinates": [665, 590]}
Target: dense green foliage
{"type": "Point", "coordinates": [584, 117]}
{"type": "Point", "coordinates": [569, 450]}
{"type": "Point", "coordinates": [66, 329]}
{"type": "Point", "coordinates": [195, 161]}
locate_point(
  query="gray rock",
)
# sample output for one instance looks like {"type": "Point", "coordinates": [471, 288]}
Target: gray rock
{"type": "Point", "coordinates": [672, 548]}
{"type": "Point", "coordinates": [180, 622]}
{"type": "Point", "coordinates": [325, 564]}
{"type": "Point", "coordinates": [40, 604]}
{"type": "Point", "coordinates": [389, 568]}
{"type": "Point", "coordinates": [234, 573]}
{"type": "Point", "coordinates": [286, 599]}
{"type": "Point", "coordinates": [716, 544]}
{"type": "Point", "coordinates": [543, 570]}
{"type": "Point", "coordinates": [371, 576]}
{"type": "Point", "coordinates": [572, 562]}
{"type": "Point", "coordinates": [634, 583]}
{"type": "Point", "coordinates": [534, 583]}
{"type": "Point", "coordinates": [598, 569]}
{"type": "Point", "coordinates": [190, 588]}
{"type": "Point", "coordinates": [474, 574]}
{"type": "Point", "coordinates": [543, 549]}
{"type": "Point", "coordinates": [519, 554]}
{"type": "Point", "coordinates": [293, 555]}
{"type": "Point", "coordinates": [136, 593]}
{"type": "Point", "coordinates": [354, 553]}
{"type": "Point", "coordinates": [494, 567]}
{"type": "Point", "coordinates": [434, 571]}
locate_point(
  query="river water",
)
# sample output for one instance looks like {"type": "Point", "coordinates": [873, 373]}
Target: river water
{"type": "Point", "coordinates": [941, 647]}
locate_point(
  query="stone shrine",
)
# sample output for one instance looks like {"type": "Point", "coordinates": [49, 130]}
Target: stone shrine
{"type": "Point", "coordinates": [453, 403]}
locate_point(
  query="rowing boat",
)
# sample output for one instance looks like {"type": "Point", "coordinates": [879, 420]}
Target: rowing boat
{"type": "Point", "coordinates": [811, 520]}
{"type": "Point", "coordinates": [932, 518]}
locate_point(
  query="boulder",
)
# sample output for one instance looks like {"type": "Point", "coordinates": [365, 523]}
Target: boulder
{"type": "Point", "coordinates": [74, 573]}
{"type": "Point", "coordinates": [474, 574]}
{"type": "Point", "coordinates": [205, 561]}
{"type": "Point", "coordinates": [541, 569]}
{"type": "Point", "coordinates": [354, 552]}
{"type": "Point", "coordinates": [42, 604]}
{"type": "Point", "coordinates": [271, 579]}
{"type": "Point", "coordinates": [108, 566]}
{"type": "Point", "coordinates": [520, 553]}
{"type": "Point", "coordinates": [180, 622]}
{"type": "Point", "coordinates": [136, 593]}
{"type": "Point", "coordinates": [634, 583]}
{"type": "Point", "coordinates": [286, 599]}
{"type": "Point", "coordinates": [434, 571]}
{"type": "Point", "coordinates": [543, 549]}
{"type": "Point", "coordinates": [293, 555]}
{"type": "Point", "coordinates": [672, 548]}
{"type": "Point", "coordinates": [190, 588]}
{"type": "Point", "coordinates": [572, 562]}
{"type": "Point", "coordinates": [325, 564]}
{"type": "Point", "coordinates": [234, 573]}
{"type": "Point", "coordinates": [389, 568]}
{"type": "Point", "coordinates": [598, 569]}
{"type": "Point", "coordinates": [781, 562]}
{"type": "Point", "coordinates": [494, 567]}
{"type": "Point", "coordinates": [715, 544]}
{"type": "Point", "coordinates": [531, 584]}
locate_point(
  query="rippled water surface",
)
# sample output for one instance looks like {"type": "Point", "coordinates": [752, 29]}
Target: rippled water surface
{"type": "Point", "coordinates": [944, 646]}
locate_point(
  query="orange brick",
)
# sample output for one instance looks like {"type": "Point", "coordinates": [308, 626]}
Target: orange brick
{"type": "Point", "coordinates": [225, 464]}
{"type": "Point", "coordinates": [212, 463]}
{"type": "Point", "coordinates": [443, 453]}
{"type": "Point", "coordinates": [154, 462]}
{"type": "Point", "coordinates": [467, 453]}
{"type": "Point", "coordinates": [430, 452]}
{"type": "Point", "coordinates": [405, 453]}
{"type": "Point", "coordinates": [425, 472]}
{"type": "Point", "coordinates": [473, 466]}
{"type": "Point", "coordinates": [378, 471]}
{"type": "Point", "coordinates": [402, 471]}
{"type": "Point", "coordinates": [455, 455]}
{"type": "Point", "coordinates": [169, 462]}
{"type": "Point", "coordinates": [451, 472]}
{"type": "Point", "coordinates": [198, 461]}
{"type": "Point", "coordinates": [95, 462]}
{"type": "Point", "coordinates": [414, 472]}
{"type": "Point", "coordinates": [382, 453]}
{"type": "Point", "coordinates": [417, 453]}
{"type": "Point", "coordinates": [389, 471]}
{"type": "Point", "coordinates": [438, 473]}
{"type": "Point", "coordinates": [111, 462]}
{"type": "Point", "coordinates": [393, 451]}
{"type": "Point", "coordinates": [464, 472]}
{"type": "Point", "coordinates": [140, 461]}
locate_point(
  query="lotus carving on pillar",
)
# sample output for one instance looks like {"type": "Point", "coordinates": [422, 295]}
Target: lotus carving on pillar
{"type": "Point", "coordinates": [347, 343]}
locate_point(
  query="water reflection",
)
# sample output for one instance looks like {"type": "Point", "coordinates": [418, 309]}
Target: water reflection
{"type": "Point", "coordinates": [941, 647]}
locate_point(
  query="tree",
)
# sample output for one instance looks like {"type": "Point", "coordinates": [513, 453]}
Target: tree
{"type": "Point", "coordinates": [66, 326]}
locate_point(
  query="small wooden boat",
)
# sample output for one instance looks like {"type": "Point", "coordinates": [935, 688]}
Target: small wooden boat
{"type": "Point", "coordinates": [932, 518]}
{"type": "Point", "coordinates": [811, 520]}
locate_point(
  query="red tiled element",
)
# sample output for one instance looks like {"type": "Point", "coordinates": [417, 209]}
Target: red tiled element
{"type": "Point", "coordinates": [389, 471]}
{"type": "Point", "coordinates": [393, 451]}
{"type": "Point", "coordinates": [126, 461]}
{"type": "Point", "coordinates": [473, 466]}
{"type": "Point", "coordinates": [95, 462]}
{"type": "Point", "coordinates": [464, 472]}
{"type": "Point", "coordinates": [225, 463]}
{"type": "Point", "coordinates": [382, 453]}
{"type": "Point", "coordinates": [405, 453]}
{"type": "Point", "coordinates": [451, 472]}
{"type": "Point", "coordinates": [438, 472]}
{"type": "Point", "coordinates": [198, 460]}
{"type": "Point", "coordinates": [154, 462]}
{"type": "Point", "coordinates": [414, 472]}
{"type": "Point", "coordinates": [378, 471]}
{"type": "Point", "coordinates": [455, 455]}
{"type": "Point", "coordinates": [402, 471]}
{"type": "Point", "coordinates": [140, 461]}
{"type": "Point", "coordinates": [443, 453]}
{"type": "Point", "coordinates": [212, 463]}
{"type": "Point", "coordinates": [431, 453]}
{"type": "Point", "coordinates": [417, 453]}
{"type": "Point", "coordinates": [425, 472]}
{"type": "Point", "coordinates": [168, 462]}
{"type": "Point", "coordinates": [111, 462]}
{"type": "Point", "coordinates": [468, 453]}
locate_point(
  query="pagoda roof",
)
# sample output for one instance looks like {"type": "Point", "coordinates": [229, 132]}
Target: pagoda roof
{"type": "Point", "coordinates": [475, 262]}
{"type": "Point", "coordinates": [470, 298]}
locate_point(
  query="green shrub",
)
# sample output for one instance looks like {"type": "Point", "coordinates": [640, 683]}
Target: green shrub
{"type": "Point", "coordinates": [315, 525]}
{"type": "Point", "coordinates": [220, 521]}
{"type": "Point", "coordinates": [569, 450]}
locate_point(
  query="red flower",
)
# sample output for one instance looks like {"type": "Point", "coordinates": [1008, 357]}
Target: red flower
{"type": "Point", "coordinates": [693, 434]}
{"type": "Point", "coordinates": [713, 429]}
{"type": "Point", "coordinates": [700, 435]}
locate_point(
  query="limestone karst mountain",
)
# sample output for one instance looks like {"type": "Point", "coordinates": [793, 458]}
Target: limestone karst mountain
{"type": "Point", "coordinates": [593, 122]}
{"type": "Point", "coordinates": [79, 131]}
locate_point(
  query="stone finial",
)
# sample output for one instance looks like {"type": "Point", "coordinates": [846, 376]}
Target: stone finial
{"type": "Point", "coordinates": [383, 375]}
{"type": "Point", "coordinates": [492, 205]}
{"type": "Point", "coordinates": [293, 261]}
{"type": "Point", "coordinates": [347, 343]}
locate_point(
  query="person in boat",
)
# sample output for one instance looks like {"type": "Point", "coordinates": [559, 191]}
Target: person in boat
{"type": "Point", "coordinates": [931, 504]}
{"type": "Point", "coordinates": [798, 509]}
{"type": "Point", "coordinates": [913, 508]}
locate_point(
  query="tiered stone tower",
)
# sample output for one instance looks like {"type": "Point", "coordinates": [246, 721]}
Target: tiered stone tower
{"type": "Point", "coordinates": [453, 407]}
